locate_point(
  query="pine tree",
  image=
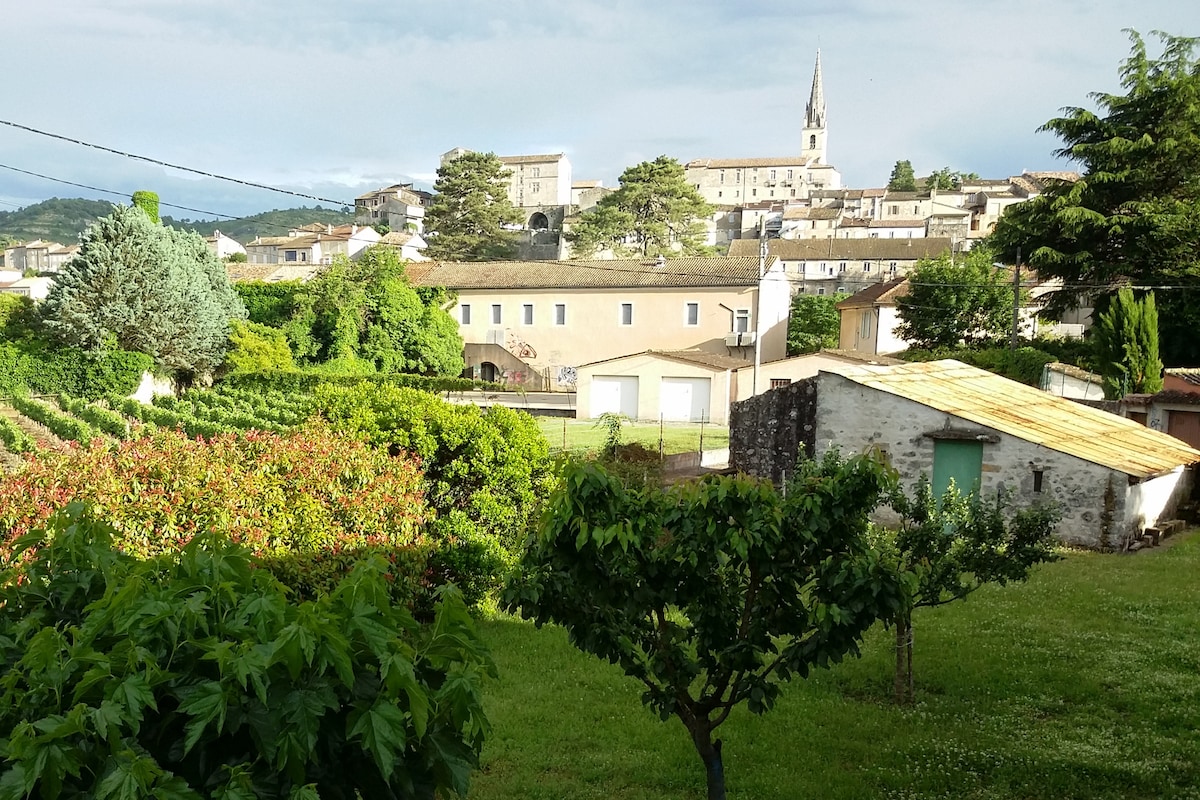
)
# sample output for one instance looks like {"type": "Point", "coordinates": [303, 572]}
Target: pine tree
{"type": "Point", "coordinates": [1125, 341]}
{"type": "Point", "coordinates": [139, 286]}
{"type": "Point", "coordinates": [471, 217]}
{"type": "Point", "coordinates": [903, 179]}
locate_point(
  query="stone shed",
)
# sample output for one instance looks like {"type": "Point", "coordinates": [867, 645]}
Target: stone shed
{"type": "Point", "coordinates": [1110, 476]}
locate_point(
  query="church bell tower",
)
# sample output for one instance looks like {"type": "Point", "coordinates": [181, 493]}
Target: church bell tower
{"type": "Point", "coordinates": [813, 146]}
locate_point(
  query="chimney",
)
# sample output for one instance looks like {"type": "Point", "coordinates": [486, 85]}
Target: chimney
{"type": "Point", "coordinates": [328, 229]}
{"type": "Point", "coordinates": [661, 261]}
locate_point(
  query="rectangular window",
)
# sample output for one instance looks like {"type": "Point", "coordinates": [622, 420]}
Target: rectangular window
{"type": "Point", "coordinates": [535, 172]}
{"type": "Point", "coordinates": [535, 187]}
{"type": "Point", "coordinates": [560, 313]}
{"type": "Point", "coordinates": [866, 266]}
{"type": "Point", "coordinates": [721, 176]}
{"type": "Point", "coordinates": [820, 290]}
{"type": "Point", "coordinates": [754, 192]}
{"type": "Point", "coordinates": [496, 313]}
{"type": "Point", "coordinates": [290, 255]}
{"type": "Point", "coordinates": [626, 313]}
{"type": "Point", "coordinates": [466, 313]}
{"type": "Point", "coordinates": [916, 211]}
{"type": "Point", "coordinates": [895, 210]}
{"type": "Point", "coordinates": [692, 314]}
{"type": "Point", "coordinates": [789, 174]}
{"type": "Point", "coordinates": [842, 267]}
{"type": "Point", "coordinates": [527, 314]}
{"type": "Point", "coordinates": [741, 320]}
{"type": "Point", "coordinates": [772, 175]}
{"type": "Point", "coordinates": [718, 194]}
{"type": "Point", "coordinates": [864, 325]}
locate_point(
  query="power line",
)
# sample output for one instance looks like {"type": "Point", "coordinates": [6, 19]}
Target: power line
{"type": "Point", "coordinates": [168, 164]}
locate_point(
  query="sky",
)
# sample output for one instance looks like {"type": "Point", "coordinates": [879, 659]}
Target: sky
{"type": "Point", "coordinates": [338, 97]}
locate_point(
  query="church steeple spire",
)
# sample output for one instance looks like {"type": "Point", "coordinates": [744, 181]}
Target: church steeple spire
{"type": "Point", "coordinates": [815, 138]}
{"type": "Point", "coordinates": [814, 112]}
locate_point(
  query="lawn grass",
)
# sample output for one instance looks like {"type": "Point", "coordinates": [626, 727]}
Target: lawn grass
{"type": "Point", "coordinates": [1082, 683]}
{"type": "Point", "coordinates": [585, 435]}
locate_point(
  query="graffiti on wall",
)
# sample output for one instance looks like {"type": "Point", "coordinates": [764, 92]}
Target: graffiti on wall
{"type": "Point", "coordinates": [519, 347]}
{"type": "Point", "coordinates": [567, 376]}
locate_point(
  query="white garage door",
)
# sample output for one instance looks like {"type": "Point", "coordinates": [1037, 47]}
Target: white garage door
{"type": "Point", "coordinates": [685, 399]}
{"type": "Point", "coordinates": [615, 393]}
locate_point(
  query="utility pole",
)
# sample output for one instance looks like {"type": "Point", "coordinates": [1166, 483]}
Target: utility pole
{"type": "Point", "coordinates": [762, 270]}
{"type": "Point", "coordinates": [1016, 299]}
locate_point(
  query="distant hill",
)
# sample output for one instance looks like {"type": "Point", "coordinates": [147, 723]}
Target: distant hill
{"type": "Point", "coordinates": [63, 220]}
{"type": "Point", "coordinates": [54, 220]}
{"type": "Point", "coordinates": [268, 223]}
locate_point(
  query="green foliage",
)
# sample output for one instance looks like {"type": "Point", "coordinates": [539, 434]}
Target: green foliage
{"type": "Point", "coordinates": [257, 348]}
{"type": "Point", "coordinates": [948, 180]}
{"type": "Point", "coordinates": [1125, 342]}
{"type": "Point", "coordinates": [611, 423]}
{"type": "Point", "coordinates": [64, 426]}
{"type": "Point", "coordinates": [310, 503]}
{"type": "Point", "coordinates": [486, 472]}
{"type": "Point", "coordinates": [947, 547]}
{"type": "Point", "coordinates": [1134, 215]}
{"type": "Point", "coordinates": [365, 311]}
{"type": "Point", "coordinates": [813, 323]}
{"type": "Point", "coordinates": [197, 675]}
{"type": "Point", "coordinates": [40, 368]}
{"type": "Point", "coordinates": [957, 300]}
{"type": "Point", "coordinates": [100, 418]}
{"type": "Point", "coordinates": [236, 258]}
{"type": "Point", "coordinates": [309, 378]}
{"type": "Point", "coordinates": [148, 203]}
{"type": "Point", "coordinates": [13, 438]}
{"type": "Point", "coordinates": [903, 179]}
{"type": "Point", "coordinates": [471, 217]}
{"type": "Point", "coordinates": [654, 207]}
{"type": "Point", "coordinates": [1023, 365]}
{"type": "Point", "coordinates": [711, 592]}
{"type": "Point", "coordinates": [145, 288]}
{"type": "Point", "coordinates": [269, 303]}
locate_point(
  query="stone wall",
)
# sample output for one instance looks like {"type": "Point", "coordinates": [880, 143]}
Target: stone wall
{"type": "Point", "coordinates": [767, 433]}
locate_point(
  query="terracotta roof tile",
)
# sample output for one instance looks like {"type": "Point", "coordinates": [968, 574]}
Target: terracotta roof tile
{"type": "Point", "coordinates": [585, 274]}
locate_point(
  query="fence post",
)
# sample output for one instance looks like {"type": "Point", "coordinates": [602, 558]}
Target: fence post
{"type": "Point", "coordinates": [564, 447]}
{"type": "Point", "coordinates": [702, 417]}
{"type": "Point", "coordinates": [661, 446]}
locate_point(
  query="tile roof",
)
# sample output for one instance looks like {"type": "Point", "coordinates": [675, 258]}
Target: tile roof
{"type": "Point", "coordinates": [1027, 413]}
{"type": "Point", "coordinates": [882, 293]}
{"type": "Point", "coordinates": [1188, 374]}
{"type": "Point", "coordinates": [897, 223]}
{"type": "Point", "coordinates": [594, 274]}
{"type": "Point", "coordinates": [728, 163]}
{"type": "Point", "coordinates": [535, 159]}
{"type": "Point", "coordinates": [845, 249]}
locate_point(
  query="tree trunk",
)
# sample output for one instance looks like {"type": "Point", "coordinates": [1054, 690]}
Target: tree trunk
{"type": "Point", "coordinates": [714, 769]}
{"type": "Point", "coordinates": [902, 683]}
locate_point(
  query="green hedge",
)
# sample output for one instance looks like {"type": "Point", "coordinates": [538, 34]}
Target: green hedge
{"type": "Point", "coordinates": [63, 426]}
{"type": "Point", "coordinates": [98, 417]}
{"type": "Point", "coordinates": [15, 440]}
{"type": "Point", "coordinates": [1023, 364]}
{"type": "Point", "coordinates": [307, 380]}
{"type": "Point", "coordinates": [66, 370]}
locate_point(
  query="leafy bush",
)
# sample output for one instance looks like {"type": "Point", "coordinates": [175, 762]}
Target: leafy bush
{"type": "Point", "coordinates": [40, 368]}
{"type": "Point", "coordinates": [15, 440]}
{"type": "Point", "coordinates": [256, 348]}
{"type": "Point", "coordinates": [196, 675]}
{"type": "Point", "coordinates": [487, 473]}
{"type": "Point", "coordinates": [269, 303]}
{"type": "Point", "coordinates": [310, 503]}
{"type": "Point", "coordinates": [1023, 364]}
{"type": "Point", "coordinates": [61, 425]}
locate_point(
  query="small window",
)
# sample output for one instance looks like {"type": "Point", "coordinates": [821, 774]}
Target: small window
{"type": "Point", "coordinates": [771, 175]}
{"type": "Point", "coordinates": [721, 176]}
{"type": "Point", "coordinates": [741, 320]}
{"type": "Point", "coordinates": [626, 313]}
{"type": "Point", "coordinates": [1037, 481]}
{"type": "Point", "coordinates": [560, 313]}
{"type": "Point", "coordinates": [754, 192]}
{"type": "Point", "coordinates": [466, 313]}
{"type": "Point", "coordinates": [820, 290]}
{"type": "Point", "coordinates": [535, 187]}
{"type": "Point", "coordinates": [916, 211]}
{"type": "Point", "coordinates": [842, 266]}
{"type": "Point", "coordinates": [718, 194]}
{"type": "Point", "coordinates": [864, 325]}
{"type": "Point", "coordinates": [866, 266]}
{"type": "Point", "coordinates": [779, 383]}
{"type": "Point", "coordinates": [896, 210]}
{"type": "Point", "coordinates": [535, 172]}
{"type": "Point", "coordinates": [789, 174]}
{"type": "Point", "coordinates": [527, 314]}
{"type": "Point", "coordinates": [692, 314]}
{"type": "Point", "coordinates": [290, 255]}
{"type": "Point", "coordinates": [496, 318]}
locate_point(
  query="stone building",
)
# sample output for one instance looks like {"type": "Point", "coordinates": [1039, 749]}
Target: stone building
{"type": "Point", "coordinates": [1110, 477]}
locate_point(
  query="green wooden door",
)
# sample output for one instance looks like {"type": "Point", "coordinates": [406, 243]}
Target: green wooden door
{"type": "Point", "coordinates": [959, 460]}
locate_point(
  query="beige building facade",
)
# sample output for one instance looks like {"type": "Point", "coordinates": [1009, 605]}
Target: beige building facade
{"type": "Point", "coordinates": [546, 319]}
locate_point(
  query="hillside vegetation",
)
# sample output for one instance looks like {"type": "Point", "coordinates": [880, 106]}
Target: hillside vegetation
{"type": "Point", "coordinates": [63, 220]}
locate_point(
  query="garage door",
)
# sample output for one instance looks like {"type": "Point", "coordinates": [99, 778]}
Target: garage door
{"type": "Point", "coordinates": [685, 399]}
{"type": "Point", "coordinates": [615, 393]}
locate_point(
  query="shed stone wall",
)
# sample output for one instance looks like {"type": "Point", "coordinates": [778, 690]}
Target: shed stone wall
{"type": "Point", "coordinates": [1092, 497]}
{"type": "Point", "coordinates": [768, 432]}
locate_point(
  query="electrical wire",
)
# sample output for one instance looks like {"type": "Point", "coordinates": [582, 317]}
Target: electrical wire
{"type": "Point", "coordinates": [168, 164]}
